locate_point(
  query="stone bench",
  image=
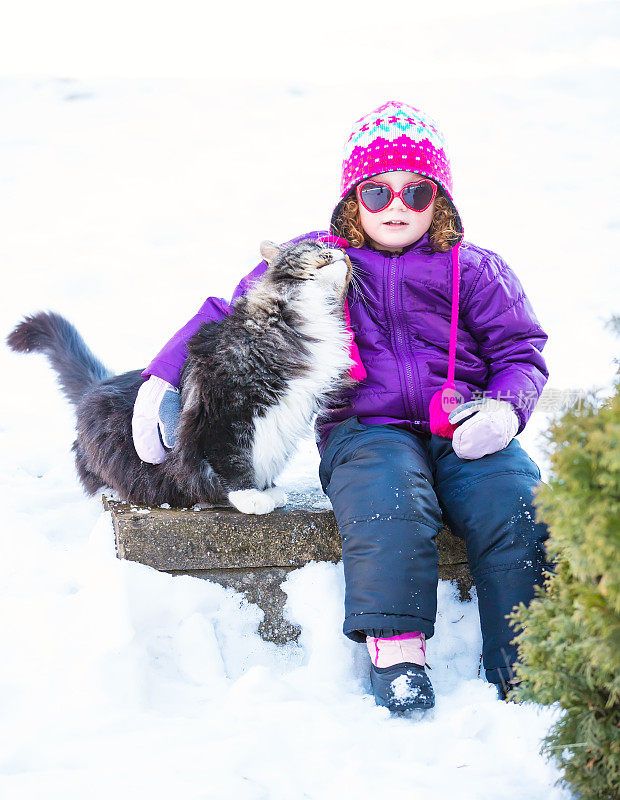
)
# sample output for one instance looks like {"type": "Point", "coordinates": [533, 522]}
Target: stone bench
{"type": "Point", "coordinates": [251, 554]}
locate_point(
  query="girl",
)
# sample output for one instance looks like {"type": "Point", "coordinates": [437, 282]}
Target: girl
{"type": "Point", "coordinates": [448, 359]}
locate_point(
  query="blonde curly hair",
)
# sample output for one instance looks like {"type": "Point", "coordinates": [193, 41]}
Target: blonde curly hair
{"type": "Point", "coordinates": [443, 231]}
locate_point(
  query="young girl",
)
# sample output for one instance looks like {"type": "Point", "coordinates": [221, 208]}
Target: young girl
{"type": "Point", "coordinates": [441, 325]}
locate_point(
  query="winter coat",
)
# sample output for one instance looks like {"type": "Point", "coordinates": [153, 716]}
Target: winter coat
{"type": "Point", "coordinates": [400, 315]}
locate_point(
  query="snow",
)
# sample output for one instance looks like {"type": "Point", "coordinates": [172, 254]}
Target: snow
{"type": "Point", "coordinates": [123, 205]}
{"type": "Point", "coordinates": [126, 678]}
{"type": "Point", "coordinates": [403, 689]}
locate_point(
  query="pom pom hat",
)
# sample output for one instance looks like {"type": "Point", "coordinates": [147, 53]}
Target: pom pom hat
{"type": "Point", "coordinates": [397, 136]}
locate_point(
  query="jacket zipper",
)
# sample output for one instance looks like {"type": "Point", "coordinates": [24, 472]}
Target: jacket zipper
{"type": "Point", "coordinates": [411, 364]}
{"type": "Point", "coordinates": [399, 339]}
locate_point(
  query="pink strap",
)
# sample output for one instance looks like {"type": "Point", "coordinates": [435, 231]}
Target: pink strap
{"type": "Point", "coordinates": [454, 315]}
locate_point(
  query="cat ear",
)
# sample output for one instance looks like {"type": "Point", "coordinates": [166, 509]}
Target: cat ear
{"type": "Point", "coordinates": [269, 250]}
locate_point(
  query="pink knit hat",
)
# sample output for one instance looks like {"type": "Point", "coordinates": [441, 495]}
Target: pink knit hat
{"type": "Point", "coordinates": [397, 136]}
{"type": "Point", "coordinates": [392, 137]}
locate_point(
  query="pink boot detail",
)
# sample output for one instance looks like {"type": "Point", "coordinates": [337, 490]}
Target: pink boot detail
{"type": "Point", "coordinates": [406, 648]}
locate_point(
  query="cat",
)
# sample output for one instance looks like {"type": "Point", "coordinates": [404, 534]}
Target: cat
{"type": "Point", "coordinates": [249, 389]}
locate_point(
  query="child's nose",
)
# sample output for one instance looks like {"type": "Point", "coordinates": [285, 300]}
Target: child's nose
{"type": "Point", "coordinates": [397, 203]}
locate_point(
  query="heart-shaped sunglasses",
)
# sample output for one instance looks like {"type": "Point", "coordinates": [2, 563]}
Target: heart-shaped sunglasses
{"type": "Point", "coordinates": [375, 196]}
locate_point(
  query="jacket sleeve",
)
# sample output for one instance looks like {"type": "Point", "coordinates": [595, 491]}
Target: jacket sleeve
{"type": "Point", "coordinates": [168, 363]}
{"type": "Point", "coordinates": [501, 319]}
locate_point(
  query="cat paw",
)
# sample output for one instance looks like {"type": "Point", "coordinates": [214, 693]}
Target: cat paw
{"type": "Point", "coordinates": [278, 495]}
{"type": "Point", "coordinates": [251, 501]}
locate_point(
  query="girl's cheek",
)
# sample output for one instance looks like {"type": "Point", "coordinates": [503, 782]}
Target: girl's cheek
{"type": "Point", "coordinates": [367, 223]}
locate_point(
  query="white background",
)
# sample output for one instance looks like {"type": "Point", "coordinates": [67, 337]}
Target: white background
{"type": "Point", "coordinates": [145, 151]}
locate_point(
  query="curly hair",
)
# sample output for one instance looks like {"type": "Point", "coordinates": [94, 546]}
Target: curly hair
{"type": "Point", "coordinates": [443, 231]}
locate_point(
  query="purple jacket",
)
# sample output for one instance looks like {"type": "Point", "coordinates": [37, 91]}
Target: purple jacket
{"type": "Point", "coordinates": [401, 322]}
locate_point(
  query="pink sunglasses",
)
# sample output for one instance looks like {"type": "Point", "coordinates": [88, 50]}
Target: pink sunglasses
{"type": "Point", "coordinates": [375, 196]}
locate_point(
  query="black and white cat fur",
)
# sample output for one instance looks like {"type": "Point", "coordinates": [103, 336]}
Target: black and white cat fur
{"type": "Point", "coordinates": [249, 390]}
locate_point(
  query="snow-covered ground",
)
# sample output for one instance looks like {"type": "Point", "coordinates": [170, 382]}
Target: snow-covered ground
{"type": "Point", "coordinates": [123, 204]}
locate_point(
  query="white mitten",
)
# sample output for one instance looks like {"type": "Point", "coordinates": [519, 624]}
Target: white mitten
{"type": "Point", "coordinates": [155, 419]}
{"type": "Point", "coordinates": [487, 425]}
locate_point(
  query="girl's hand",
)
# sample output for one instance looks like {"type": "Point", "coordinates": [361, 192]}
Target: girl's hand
{"type": "Point", "coordinates": [487, 425]}
{"type": "Point", "coordinates": [155, 419]}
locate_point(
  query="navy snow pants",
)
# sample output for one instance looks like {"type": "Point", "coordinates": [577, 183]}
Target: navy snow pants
{"type": "Point", "coordinates": [391, 490]}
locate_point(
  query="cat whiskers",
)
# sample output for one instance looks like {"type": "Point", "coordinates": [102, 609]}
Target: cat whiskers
{"type": "Point", "coordinates": [357, 286]}
{"type": "Point", "coordinates": [355, 282]}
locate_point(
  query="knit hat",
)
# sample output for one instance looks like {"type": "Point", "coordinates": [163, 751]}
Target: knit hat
{"type": "Point", "coordinates": [397, 136]}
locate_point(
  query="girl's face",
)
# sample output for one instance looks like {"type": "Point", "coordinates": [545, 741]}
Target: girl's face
{"type": "Point", "coordinates": [396, 226]}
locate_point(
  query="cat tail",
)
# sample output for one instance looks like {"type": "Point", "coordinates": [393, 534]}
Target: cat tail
{"type": "Point", "coordinates": [54, 336]}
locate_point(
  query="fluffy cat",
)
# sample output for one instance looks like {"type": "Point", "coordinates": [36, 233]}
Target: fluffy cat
{"type": "Point", "coordinates": [249, 388]}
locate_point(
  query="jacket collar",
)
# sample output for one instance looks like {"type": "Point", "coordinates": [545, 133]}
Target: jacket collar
{"type": "Point", "coordinates": [422, 244]}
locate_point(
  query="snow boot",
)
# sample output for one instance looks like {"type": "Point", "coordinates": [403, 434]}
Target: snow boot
{"type": "Point", "coordinates": [504, 688]}
{"type": "Point", "coordinates": [402, 688]}
{"type": "Point", "coordinates": [397, 672]}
